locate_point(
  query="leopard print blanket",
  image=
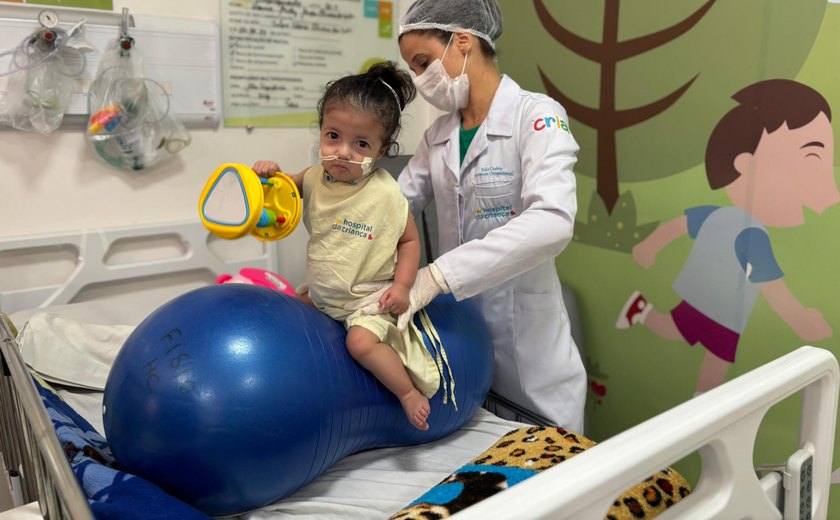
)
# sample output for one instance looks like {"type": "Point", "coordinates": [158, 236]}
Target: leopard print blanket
{"type": "Point", "coordinates": [524, 452]}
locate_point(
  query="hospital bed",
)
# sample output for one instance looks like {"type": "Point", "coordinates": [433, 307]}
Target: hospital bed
{"type": "Point", "coordinates": [118, 276]}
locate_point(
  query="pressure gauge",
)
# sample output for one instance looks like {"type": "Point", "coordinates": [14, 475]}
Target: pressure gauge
{"type": "Point", "coordinates": [48, 18]}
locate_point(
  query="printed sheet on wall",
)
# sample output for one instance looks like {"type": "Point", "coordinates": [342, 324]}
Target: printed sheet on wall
{"type": "Point", "coordinates": [278, 55]}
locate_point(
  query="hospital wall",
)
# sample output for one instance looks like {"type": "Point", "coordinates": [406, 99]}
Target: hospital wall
{"type": "Point", "coordinates": [644, 88]}
{"type": "Point", "coordinates": [685, 84]}
{"type": "Point", "coordinates": [57, 182]}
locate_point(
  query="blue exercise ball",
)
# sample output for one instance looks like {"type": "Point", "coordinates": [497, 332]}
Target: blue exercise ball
{"type": "Point", "coordinates": [231, 397]}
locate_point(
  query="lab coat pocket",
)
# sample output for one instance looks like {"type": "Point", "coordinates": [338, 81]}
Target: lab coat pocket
{"type": "Point", "coordinates": [492, 187]}
{"type": "Point", "coordinates": [528, 301]}
{"type": "Point", "coordinates": [537, 325]}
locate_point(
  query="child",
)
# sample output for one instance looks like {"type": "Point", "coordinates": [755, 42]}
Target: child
{"type": "Point", "coordinates": [361, 230]}
{"type": "Point", "coordinates": [773, 154]}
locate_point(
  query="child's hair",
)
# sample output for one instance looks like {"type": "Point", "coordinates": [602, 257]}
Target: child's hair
{"type": "Point", "coordinates": [765, 105]}
{"type": "Point", "coordinates": [383, 91]}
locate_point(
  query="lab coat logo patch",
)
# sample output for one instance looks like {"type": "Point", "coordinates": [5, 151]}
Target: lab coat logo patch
{"type": "Point", "coordinates": [505, 210]}
{"type": "Point", "coordinates": [550, 122]}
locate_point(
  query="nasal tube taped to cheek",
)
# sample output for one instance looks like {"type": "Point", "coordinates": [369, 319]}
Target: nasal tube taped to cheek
{"type": "Point", "coordinates": [366, 164]}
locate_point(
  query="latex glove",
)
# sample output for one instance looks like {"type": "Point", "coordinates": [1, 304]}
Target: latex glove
{"type": "Point", "coordinates": [428, 284]}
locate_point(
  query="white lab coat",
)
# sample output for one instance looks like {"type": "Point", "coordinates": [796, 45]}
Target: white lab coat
{"type": "Point", "coordinates": [502, 220]}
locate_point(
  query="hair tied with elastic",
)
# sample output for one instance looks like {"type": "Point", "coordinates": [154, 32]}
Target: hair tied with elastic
{"type": "Point", "coordinates": [394, 92]}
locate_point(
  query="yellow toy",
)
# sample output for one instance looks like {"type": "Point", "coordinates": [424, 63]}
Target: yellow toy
{"type": "Point", "coordinates": [236, 201]}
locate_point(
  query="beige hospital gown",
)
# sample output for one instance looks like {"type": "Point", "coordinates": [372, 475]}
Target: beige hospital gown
{"type": "Point", "coordinates": [353, 234]}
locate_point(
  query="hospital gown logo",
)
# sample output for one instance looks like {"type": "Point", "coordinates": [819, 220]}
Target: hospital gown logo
{"type": "Point", "coordinates": [356, 229]}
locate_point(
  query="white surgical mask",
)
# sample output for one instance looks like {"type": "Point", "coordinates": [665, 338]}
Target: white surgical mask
{"type": "Point", "coordinates": [439, 89]}
{"type": "Point", "coordinates": [362, 168]}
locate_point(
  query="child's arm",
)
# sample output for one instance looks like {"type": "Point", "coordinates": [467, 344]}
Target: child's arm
{"type": "Point", "coordinates": [395, 299]}
{"type": "Point", "coordinates": [645, 251]}
{"type": "Point", "coordinates": [808, 324]}
{"type": "Point", "coordinates": [268, 169]}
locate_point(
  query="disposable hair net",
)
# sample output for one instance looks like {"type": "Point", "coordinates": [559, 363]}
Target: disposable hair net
{"type": "Point", "coordinates": [479, 17]}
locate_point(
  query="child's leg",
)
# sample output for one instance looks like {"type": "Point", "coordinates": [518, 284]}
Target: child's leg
{"type": "Point", "coordinates": [637, 310]}
{"type": "Point", "coordinates": [384, 363]}
{"type": "Point", "coordinates": [304, 297]}
{"type": "Point", "coordinates": [663, 325]}
{"type": "Point", "coordinates": [712, 373]}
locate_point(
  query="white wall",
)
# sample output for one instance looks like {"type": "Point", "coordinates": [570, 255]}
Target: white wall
{"type": "Point", "coordinates": [58, 183]}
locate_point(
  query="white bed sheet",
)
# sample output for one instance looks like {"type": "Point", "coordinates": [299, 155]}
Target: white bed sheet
{"type": "Point", "coordinates": [377, 483]}
{"type": "Point", "coordinates": [370, 484]}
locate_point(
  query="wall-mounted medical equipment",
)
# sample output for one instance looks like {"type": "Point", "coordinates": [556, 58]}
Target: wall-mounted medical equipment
{"type": "Point", "coordinates": [131, 122]}
{"type": "Point", "coordinates": [41, 72]}
{"type": "Point", "coordinates": [181, 55]}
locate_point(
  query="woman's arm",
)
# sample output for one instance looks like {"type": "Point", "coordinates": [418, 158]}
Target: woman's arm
{"type": "Point", "coordinates": [415, 180]}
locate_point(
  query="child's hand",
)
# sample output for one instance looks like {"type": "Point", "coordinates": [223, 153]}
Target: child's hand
{"type": "Point", "coordinates": [266, 168]}
{"type": "Point", "coordinates": [395, 299]}
{"type": "Point", "coordinates": [644, 255]}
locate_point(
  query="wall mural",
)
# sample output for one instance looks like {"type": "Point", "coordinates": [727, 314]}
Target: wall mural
{"type": "Point", "coordinates": [706, 232]}
{"type": "Point", "coordinates": [639, 104]}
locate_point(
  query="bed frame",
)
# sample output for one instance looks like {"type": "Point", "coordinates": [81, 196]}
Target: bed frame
{"type": "Point", "coordinates": [101, 261]}
{"type": "Point", "coordinates": [721, 424]}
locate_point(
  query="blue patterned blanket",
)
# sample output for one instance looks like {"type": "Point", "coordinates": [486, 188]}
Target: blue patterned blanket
{"type": "Point", "coordinates": [111, 493]}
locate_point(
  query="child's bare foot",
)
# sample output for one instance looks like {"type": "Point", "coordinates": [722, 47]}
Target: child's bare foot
{"type": "Point", "coordinates": [416, 408]}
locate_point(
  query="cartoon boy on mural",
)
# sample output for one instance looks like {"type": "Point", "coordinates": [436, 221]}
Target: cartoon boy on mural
{"type": "Point", "coordinates": [773, 154]}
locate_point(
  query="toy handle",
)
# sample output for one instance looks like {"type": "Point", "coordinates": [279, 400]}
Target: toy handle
{"type": "Point", "coordinates": [282, 208]}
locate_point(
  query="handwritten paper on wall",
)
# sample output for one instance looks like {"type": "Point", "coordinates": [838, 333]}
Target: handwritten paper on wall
{"type": "Point", "coordinates": [278, 55]}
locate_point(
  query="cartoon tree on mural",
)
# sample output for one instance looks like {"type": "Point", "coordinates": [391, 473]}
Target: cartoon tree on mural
{"type": "Point", "coordinates": [606, 119]}
{"type": "Point", "coordinates": [663, 74]}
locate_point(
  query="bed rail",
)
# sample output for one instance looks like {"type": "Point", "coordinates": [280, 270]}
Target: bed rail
{"type": "Point", "coordinates": [186, 244]}
{"type": "Point", "coordinates": [721, 425]}
{"type": "Point", "coordinates": [29, 445]}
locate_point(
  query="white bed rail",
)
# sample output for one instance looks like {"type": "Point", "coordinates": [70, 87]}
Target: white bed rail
{"type": "Point", "coordinates": [30, 447]}
{"type": "Point", "coordinates": [721, 425]}
{"type": "Point", "coordinates": [94, 247]}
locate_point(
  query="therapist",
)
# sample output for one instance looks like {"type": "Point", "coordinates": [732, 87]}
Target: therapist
{"type": "Point", "coordinates": [499, 168]}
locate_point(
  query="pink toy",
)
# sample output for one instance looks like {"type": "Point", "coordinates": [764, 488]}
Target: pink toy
{"type": "Point", "coordinates": [261, 277]}
{"type": "Point", "coordinates": [106, 119]}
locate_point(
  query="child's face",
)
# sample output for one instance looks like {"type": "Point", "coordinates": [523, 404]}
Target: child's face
{"type": "Point", "coordinates": [790, 170]}
{"type": "Point", "coordinates": [351, 136]}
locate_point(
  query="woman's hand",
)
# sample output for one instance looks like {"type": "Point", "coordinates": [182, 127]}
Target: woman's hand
{"type": "Point", "coordinates": [266, 169]}
{"type": "Point", "coordinates": [428, 284]}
